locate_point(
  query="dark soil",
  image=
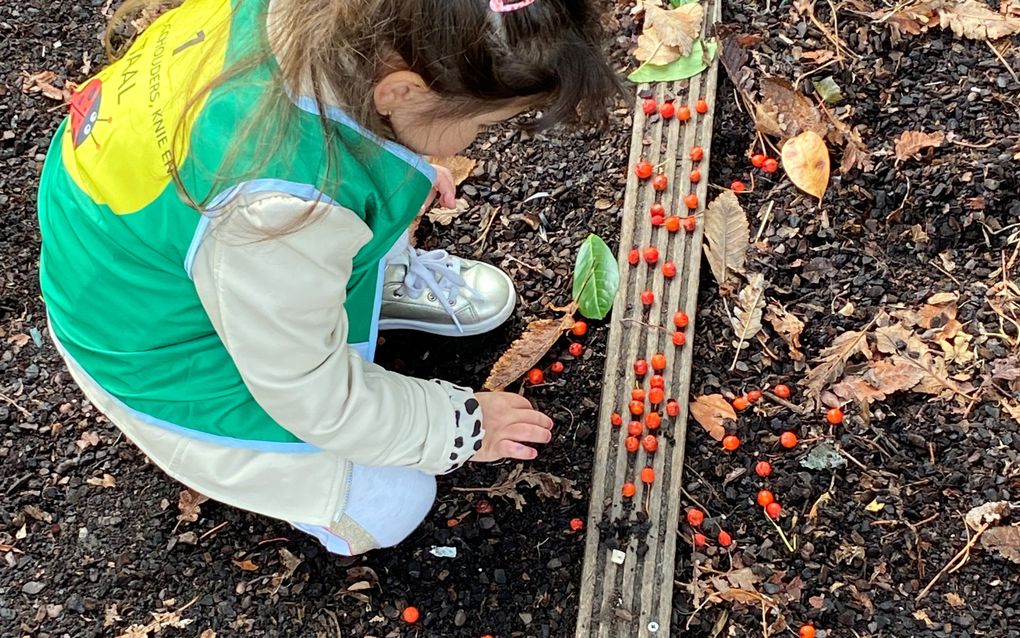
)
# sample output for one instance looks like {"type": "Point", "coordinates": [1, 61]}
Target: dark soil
{"type": "Point", "coordinates": [91, 561]}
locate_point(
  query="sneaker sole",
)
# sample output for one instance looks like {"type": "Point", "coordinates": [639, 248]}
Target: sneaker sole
{"type": "Point", "coordinates": [451, 330]}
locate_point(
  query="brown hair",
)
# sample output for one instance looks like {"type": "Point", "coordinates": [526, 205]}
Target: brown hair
{"type": "Point", "coordinates": [548, 53]}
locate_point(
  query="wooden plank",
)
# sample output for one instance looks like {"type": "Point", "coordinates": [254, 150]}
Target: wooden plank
{"type": "Point", "coordinates": [635, 598]}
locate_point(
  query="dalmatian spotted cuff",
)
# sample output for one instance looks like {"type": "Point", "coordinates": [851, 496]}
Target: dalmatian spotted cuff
{"type": "Point", "coordinates": [467, 424]}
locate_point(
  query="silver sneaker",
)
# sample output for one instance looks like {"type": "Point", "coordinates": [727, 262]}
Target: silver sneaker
{"type": "Point", "coordinates": [433, 291]}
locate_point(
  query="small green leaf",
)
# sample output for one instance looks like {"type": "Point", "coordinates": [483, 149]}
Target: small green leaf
{"type": "Point", "coordinates": [874, 506]}
{"type": "Point", "coordinates": [694, 63]}
{"type": "Point", "coordinates": [680, 3]}
{"type": "Point", "coordinates": [828, 89]}
{"type": "Point", "coordinates": [823, 457]}
{"type": "Point", "coordinates": [596, 278]}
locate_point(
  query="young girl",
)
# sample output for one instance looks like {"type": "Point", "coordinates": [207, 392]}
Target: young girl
{"type": "Point", "coordinates": [224, 220]}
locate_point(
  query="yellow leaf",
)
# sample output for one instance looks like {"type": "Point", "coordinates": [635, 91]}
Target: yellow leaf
{"type": "Point", "coordinates": [651, 49]}
{"type": "Point", "coordinates": [458, 165]}
{"type": "Point", "coordinates": [678, 28]}
{"type": "Point", "coordinates": [874, 506]}
{"type": "Point", "coordinates": [806, 161]}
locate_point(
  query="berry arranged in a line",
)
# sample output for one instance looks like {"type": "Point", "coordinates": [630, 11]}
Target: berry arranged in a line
{"type": "Point", "coordinates": [637, 407]}
{"type": "Point", "coordinates": [628, 490]}
{"type": "Point", "coordinates": [634, 256]}
{"type": "Point", "coordinates": [672, 408]}
{"type": "Point", "coordinates": [647, 297]}
{"type": "Point", "coordinates": [724, 538]}
{"type": "Point", "coordinates": [656, 396]}
{"type": "Point", "coordinates": [556, 367]}
{"type": "Point", "coordinates": [616, 419]}
{"type": "Point", "coordinates": [669, 270]}
{"type": "Point", "coordinates": [535, 376]}
{"type": "Point", "coordinates": [644, 169]}
{"type": "Point", "coordinates": [657, 210]}
{"type": "Point", "coordinates": [754, 396]}
{"type": "Point", "coordinates": [672, 223]}
{"type": "Point", "coordinates": [697, 153]}
{"type": "Point", "coordinates": [635, 428]}
{"type": "Point", "coordinates": [683, 113]}
{"type": "Point", "coordinates": [632, 444]}
{"type": "Point", "coordinates": [695, 517]}
{"type": "Point", "coordinates": [738, 186]}
{"type": "Point", "coordinates": [679, 338]}
{"type": "Point", "coordinates": [657, 381]}
{"type": "Point", "coordinates": [660, 182]}
{"type": "Point", "coordinates": [689, 223]}
{"type": "Point", "coordinates": [763, 469]}
{"type": "Point", "coordinates": [765, 497]}
{"type": "Point", "coordinates": [695, 176]}
{"type": "Point", "coordinates": [701, 106]}
{"type": "Point", "coordinates": [667, 110]}
{"type": "Point", "coordinates": [653, 420]}
{"type": "Point", "coordinates": [637, 394]}
{"type": "Point", "coordinates": [774, 510]}
{"type": "Point", "coordinates": [648, 476]}
{"type": "Point", "coordinates": [659, 362]}
{"type": "Point", "coordinates": [781, 391]}
{"type": "Point", "coordinates": [649, 106]}
{"type": "Point", "coordinates": [834, 416]}
{"type": "Point", "coordinates": [651, 255]}
{"type": "Point", "coordinates": [680, 319]}
{"type": "Point", "coordinates": [640, 367]}
{"type": "Point", "coordinates": [650, 443]}
{"type": "Point", "coordinates": [691, 201]}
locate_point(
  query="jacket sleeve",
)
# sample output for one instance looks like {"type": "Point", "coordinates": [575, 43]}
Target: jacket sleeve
{"type": "Point", "coordinates": [276, 300]}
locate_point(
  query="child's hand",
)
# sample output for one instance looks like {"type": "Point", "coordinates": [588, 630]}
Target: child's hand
{"type": "Point", "coordinates": [444, 188]}
{"type": "Point", "coordinates": [510, 422]}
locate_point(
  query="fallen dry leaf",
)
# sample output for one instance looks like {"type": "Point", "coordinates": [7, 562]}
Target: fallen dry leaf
{"type": "Point", "coordinates": [989, 513]}
{"type": "Point", "coordinates": [651, 49]}
{"type": "Point", "coordinates": [922, 615]}
{"type": "Point", "coordinates": [677, 28]}
{"type": "Point", "coordinates": [1005, 540]}
{"type": "Point", "coordinates": [806, 162]}
{"type": "Point", "coordinates": [710, 411]}
{"type": "Point", "coordinates": [458, 165]}
{"type": "Point", "coordinates": [975, 20]}
{"type": "Point", "coordinates": [189, 503]}
{"type": "Point", "coordinates": [548, 486]}
{"type": "Point", "coordinates": [785, 112]}
{"type": "Point", "coordinates": [527, 350]}
{"type": "Point", "coordinates": [246, 565]}
{"type": "Point", "coordinates": [833, 360]}
{"type": "Point", "coordinates": [208, 633]}
{"type": "Point", "coordinates": [955, 600]}
{"type": "Point", "coordinates": [106, 481]}
{"type": "Point", "coordinates": [41, 82]}
{"type": "Point", "coordinates": [747, 311]}
{"type": "Point", "coordinates": [734, 57]}
{"type": "Point", "coordinates": [883, 377]}
{"type": "Point", "coordinates": [726, 237]}
{"type": "Point", "coordinates": [910, 143]}
{"type": "Point", "coordinates": [787, 326]}
{"type": "Point", "coordinates": [444, 216]}
{"type": "Point", "coordinates": [736, 586]}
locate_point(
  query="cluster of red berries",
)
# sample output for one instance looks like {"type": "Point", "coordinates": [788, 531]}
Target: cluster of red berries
{"type": "Point", "coordinates": [536, 376]}
{"type": "Point", "coordinates": [758, 160]}
{"type": "Point", "coordinates": [695, 518]}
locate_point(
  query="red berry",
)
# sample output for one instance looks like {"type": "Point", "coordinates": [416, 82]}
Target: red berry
{"type": "Point", "coordinates": [691, 201]}
{"type": "Point", "coordinates": [640, 367]}
{"type": "Point", "coordinates": [649, 106]}
{"type": "Point", "coordinates": [667, 110]}
{"type": "Point", "coordinates": [757, 160]}
{"type": "Point", "coordinates": [725, 539]}
{"type": "Point", "coordinates": [580, 328]}
{"type": "Point", "coordinates": [765, 497]}
{"type": "Point", "coordinates": [644, 169]}
{"type": "Point", "coordinates": [730, 442]}
{"type": "Point", "coordinates": [679, 338]}
{"type": "Point", "coordinates": [763, 468]}
{"type": "Point", "coordinates": [651, 254]}
{"type": "Point", "coordinates": [697, 153]}
{"type": "Point", "coordinates": [672, 408]}
{"type": "Point", "coordinates": [410, 615]}
{"type": "Point", "coordinates": [680, 319]}
{"type": "Point", "coordinates": [770, 165]}
{"type": "Point", "coordinates": [660, 182]}
{"type": "Point", "coordinates": [699, 539]}
{"type": "Point", "coordinates": [695, 176]}
{"type": "Point", "coordinates": [656, 396]}
{"type": "Point", "coordinates": [634, 256]}
{"type": "Point", "coordinates": [576, 524]}
{"type": "Point", "coordinates": [740, 404]}
{"type": "Point", "coordinates": [669, 269]}
{"type": "Point", "coordinates": [632, 444]}
{"type": "Point", "coordinates": [695, 517]}
{"type": "Point", "coordinates": [683, 114]}
{"type": "Point", "coordinates": [672, 223]}
{"type": "Point", "coordinates": [650, 443]}
{"type": "Point", "coordinates": [452, 522]}
{"type": "Point", "coordinates": [657, 210]}
{"type": "Point", "coordinates": [483, 506]}
{"type": "Point", "coordinates": [690, 223]}
{"type": "Point", "coordinates": [634, 428]}
{"type": "Point", "coordinates": [637, 394]}
{"type": "Point", "coordinates": [701, 106]}
{"type": "Point", "coordinates": [754, 396]}
{"type": "Point", "coordinates": [648, 297]}
{"type": "Point", "coordinates": [788, 440]}
{"type": "Point", "coordinates": [659, 361]}
{"type": "Point", "coordinates": [782, 391]}
{"type": "Point", "coordinates": [556, 367]}
{"type": "Point", "coordinates": [656, 381]}
{"type": "Point", "coordinates": [738, 186]}
{"type": "Point", "coordinates": [658, 220]}
{"type": "Point", "coordinates": [637, 407]}
{"type": "Point", "coordinates": [616, 419]}
{"type": "Point", "coordinates": [648, 475]}
{"type": "Point", "coordinates": [807, 631]}
{"type": "Point", "coordinates": [773, 509]}
{"type": "Point", "coordinates": [653, 420]}
{"type": "Point", "coordinates": [834, 416]}
{"type": "Point", "coordinates": [575, 349]}
{"type": "Point", "coordinates": [535, 376]}
{"type": "Point", "coordinates": [629, 490]}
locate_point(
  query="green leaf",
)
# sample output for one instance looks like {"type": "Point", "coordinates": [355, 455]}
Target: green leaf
{"type": "Point", "coordinates": [828, 89]}
{"type": "Point", "coordinates": [694, 63]}
{"type": "Point", "coordinates": [680, 3]}
{"type": "Point", "coordinates": [596, 278]}
{"type": "Point", "coordinates": [823, 457]}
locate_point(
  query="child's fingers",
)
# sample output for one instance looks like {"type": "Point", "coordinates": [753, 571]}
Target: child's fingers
{"type": "Point", "coordinates": [513, 450]}
{"type": "Point", "coordinates": [533, 417]}
{"type": "Point", "coordinates": [527, 433]}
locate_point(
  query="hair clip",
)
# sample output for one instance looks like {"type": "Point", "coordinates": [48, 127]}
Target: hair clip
{"type": "Point", "coordinates": [500, 7]}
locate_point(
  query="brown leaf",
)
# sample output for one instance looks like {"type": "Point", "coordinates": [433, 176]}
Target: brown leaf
{"type": "Point", "coordinates": [973, 19]}
{"type": "Point", "coordinates": [990, 513]}
{"type": "Point", "coordinates": [955, 600]}
{"type": "Point", "coordinates": [651, 49]}
{"type": "Point", "coordinates": [246, 565]}
{"type": "Point", "coordinates": [19, 339]}
{"type": "Point", "coordinates": [734, 58]}
{"type": "Point", "coordinates": [884, 377]}
{"type": "Point", "coordinates": [806, 161]}
{"type": "Point", "coordinates": [746, 318]}
{"type": "Point", "coordinates": [208, 633]}
{"type": "Point", "coordinates": [548, 486]}
{"type": "Point", "coordinates": [726, 237]}
{"type": "Point", "coordinates": [1005, 540]}
{"type": "Point", "coordinates": [290, 564]}
{"type": "Point", "coordinates": [785, 112]}
{"type": "Point", "coordinates": [678, 27]}
{"type": "Point", "coordinates": [41, 83]}
{"type": "Point", "coordinates": [458, 165]}
{"type": "Point", "coordinates": [910, 143]}
{"type": "Point", "coordinates": [189, 503]}
{"type": "Point", "coordinates": [710, 411]}
{"type": "Point", "coordinates": [527, 350]}
{"type": "Point", "coordinates": [444, 216]}
{"type": "Point", "coordinates": [833, 360]}
{"type": "Point", "coordinates": [1010, 8]}
{"type": "Point", "coordinates": [106, 481]}
{"type": "Point", "coordinates": [855, 153]}
{"type": "Point", "coordinates": [786, 326]}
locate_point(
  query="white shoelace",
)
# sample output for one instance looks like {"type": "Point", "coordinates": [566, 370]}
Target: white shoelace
{"type": "Point", "coordinates": [436, 271]}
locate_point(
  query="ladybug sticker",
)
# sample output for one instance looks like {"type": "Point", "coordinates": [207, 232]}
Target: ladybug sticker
{"type": "Point", "coordinates": [85, 110]}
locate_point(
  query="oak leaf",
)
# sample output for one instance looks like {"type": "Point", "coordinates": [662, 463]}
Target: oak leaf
{"type": "Point", "coordinates": [910, 143]}
{"type": "Point", "coordinates": [528, 349]}
{"type": "Point", "coordinates": [710, 411]}
{"type": "Point", "coordinates": [726, 237]}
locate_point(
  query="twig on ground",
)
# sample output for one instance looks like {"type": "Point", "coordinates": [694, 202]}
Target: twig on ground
{"type": "Point", "coordinates": [962, 554]}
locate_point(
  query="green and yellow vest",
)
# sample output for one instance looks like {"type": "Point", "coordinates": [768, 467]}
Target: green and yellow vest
{"type": "Point", "coordinates": [118, 239]}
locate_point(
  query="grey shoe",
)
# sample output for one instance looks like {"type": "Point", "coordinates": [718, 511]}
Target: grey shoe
{"type": "Point", "coordinates": [433, 291]}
